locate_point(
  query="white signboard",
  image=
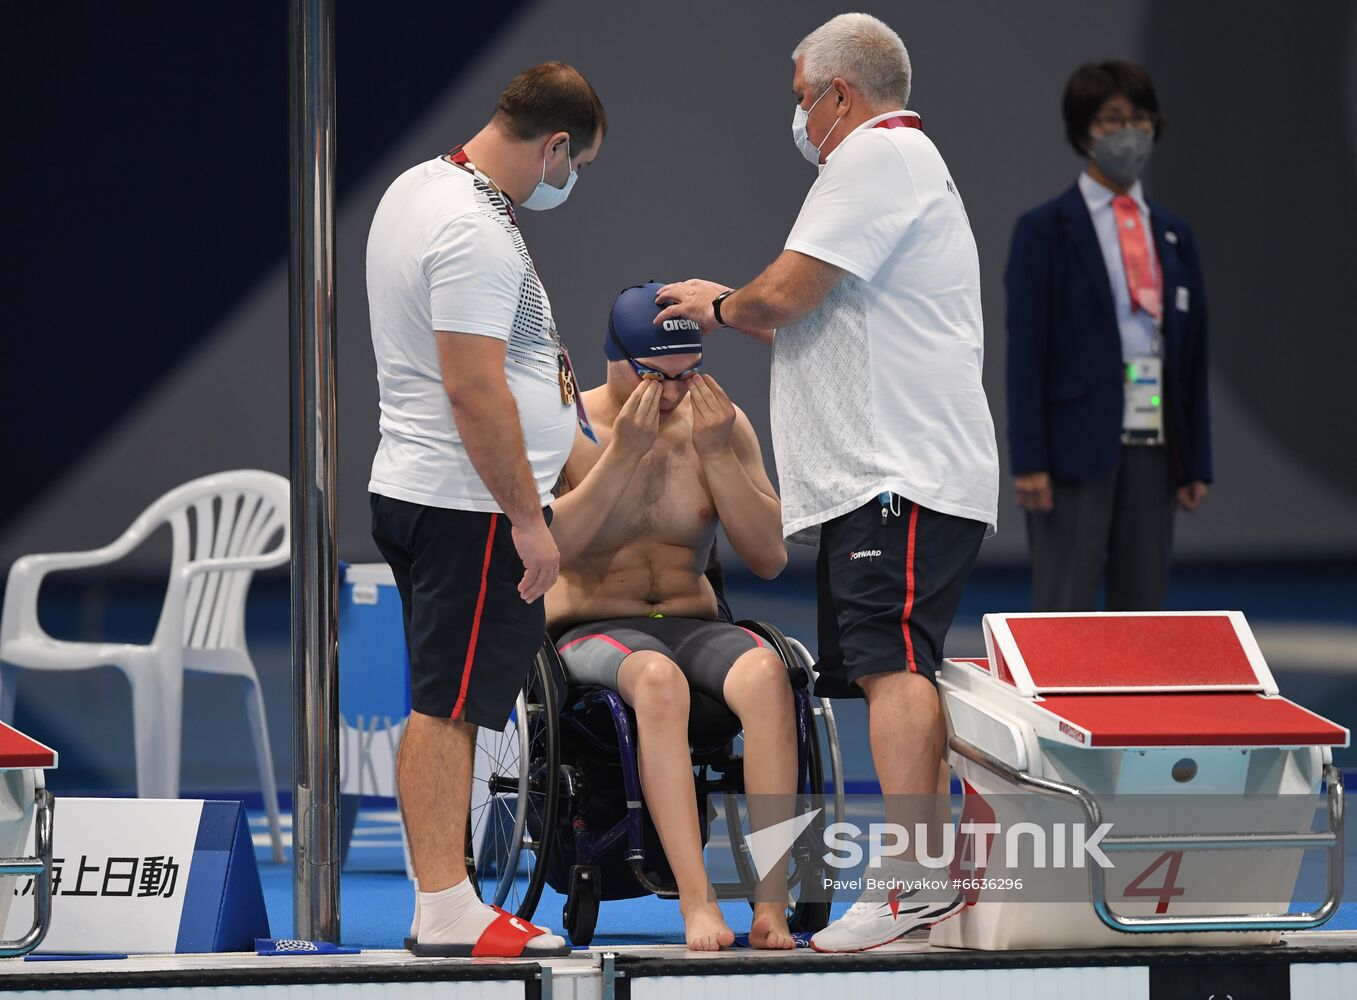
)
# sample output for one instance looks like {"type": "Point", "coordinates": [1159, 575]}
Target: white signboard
{"type": "Point", "coordinates": [120, 875]}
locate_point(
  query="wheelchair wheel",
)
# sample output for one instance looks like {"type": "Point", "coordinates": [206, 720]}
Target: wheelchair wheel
{"type": "Point", "coordinates": [807, 868]}
{"type": "Point", "coordinates": [515, 791]}
{"type": "Point", "coordinates": [811, 914]}
{"type": "Point", "coordinates": [580, 913]}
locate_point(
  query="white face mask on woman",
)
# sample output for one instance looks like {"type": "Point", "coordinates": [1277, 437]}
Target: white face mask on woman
{"type": "Point", "coordinates": [545, 195]}
{"type": "Point", "coordinates": [809, 149]}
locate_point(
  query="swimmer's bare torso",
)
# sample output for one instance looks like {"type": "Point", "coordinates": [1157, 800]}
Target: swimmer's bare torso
{"type": "Point", "coordinates": [649, 555]}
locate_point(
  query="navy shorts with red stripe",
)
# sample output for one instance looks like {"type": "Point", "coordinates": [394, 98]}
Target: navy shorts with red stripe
{"type": "Point", "coordinates": [888, 581]}
{"type": "Point", "coordinates": [471, 638]}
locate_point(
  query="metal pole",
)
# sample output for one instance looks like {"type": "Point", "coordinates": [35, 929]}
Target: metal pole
{"type": "Point", "coordinates": [315, 674]}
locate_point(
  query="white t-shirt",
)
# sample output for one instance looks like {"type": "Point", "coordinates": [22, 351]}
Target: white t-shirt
{"type": "Point", "coordinates": [878, 389]}
{"type": "Point", "coordinates": [444, 254]}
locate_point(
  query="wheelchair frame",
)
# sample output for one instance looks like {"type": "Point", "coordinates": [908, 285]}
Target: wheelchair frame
{"type": "Point", "coordinates": [535, 734]}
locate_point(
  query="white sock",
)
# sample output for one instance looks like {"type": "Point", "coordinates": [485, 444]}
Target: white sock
{"type": "Point", "coordinates": [897, 866]}
{"type": "Point", "coordinates": [453, 916]}
{"type": "Point", "coordinates": [893, 869]}
{"type": "Point", "coordinates": [901, 871]}
{"type": "Point", "coordinates": [457, 916]}
{"type": "Point", "coordinates": [414, 924]}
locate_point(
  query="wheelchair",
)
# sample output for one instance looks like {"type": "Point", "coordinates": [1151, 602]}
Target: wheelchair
{"type": "Point", "coordinates": [557, 798]}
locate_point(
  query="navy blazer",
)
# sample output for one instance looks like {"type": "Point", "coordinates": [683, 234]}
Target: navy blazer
{"type": "Point", "coordinates": [1065, 371]}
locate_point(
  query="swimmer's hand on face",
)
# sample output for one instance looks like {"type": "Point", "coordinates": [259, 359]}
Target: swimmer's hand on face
{"type": "Point", "coordinates": [713, 416]}
{"type": "Point", "coordinates": [638, 422]}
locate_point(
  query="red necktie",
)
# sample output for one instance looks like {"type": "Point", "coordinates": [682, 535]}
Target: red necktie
{"type": "Point", "coordinates": [1141, 279]}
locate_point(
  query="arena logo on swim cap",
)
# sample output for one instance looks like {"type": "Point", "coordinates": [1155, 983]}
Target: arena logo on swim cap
{"type": "Point", "coordinates": [681, 324]}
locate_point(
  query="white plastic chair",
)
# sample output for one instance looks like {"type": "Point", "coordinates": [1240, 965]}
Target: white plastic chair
{"type": "Point", "coordinates": [220, 525]}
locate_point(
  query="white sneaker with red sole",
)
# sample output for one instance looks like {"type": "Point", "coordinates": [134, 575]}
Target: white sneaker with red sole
{"type": "Point", "coordinates": [872, 923]}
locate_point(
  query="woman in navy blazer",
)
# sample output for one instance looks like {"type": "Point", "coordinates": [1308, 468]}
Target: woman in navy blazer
{"type": "Point", "coordinates": [1099, 493]}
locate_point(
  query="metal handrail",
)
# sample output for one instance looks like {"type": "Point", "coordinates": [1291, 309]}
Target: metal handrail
{"type": "Point", "coordinates": [40, 867]}
{"type": "Point", "coordinates": [1330, 841]}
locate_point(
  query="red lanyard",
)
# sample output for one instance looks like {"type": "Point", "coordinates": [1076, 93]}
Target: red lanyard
{"type": "Point", "coordinates": [458, 156]}
{"type": "Point", "coordinates": [565, 370]}
{"type": "Point", "coordinates": [901, 121]}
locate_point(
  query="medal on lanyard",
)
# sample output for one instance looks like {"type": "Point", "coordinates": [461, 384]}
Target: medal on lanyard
{"type": "Point", "coordinates": [565, 376]}
{"type": "Point", "coordinates": [565, 379]}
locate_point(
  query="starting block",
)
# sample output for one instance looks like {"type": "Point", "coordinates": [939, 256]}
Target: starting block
{"type": "Point", "coordinates": [1096, 715]}
{"type": "Point", "coordinates": [25, 804]}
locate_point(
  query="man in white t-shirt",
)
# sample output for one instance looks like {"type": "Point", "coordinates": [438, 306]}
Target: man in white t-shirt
{"type": "Point", "coordinates": [478, 413]}
{"type": "Point", "coordinates": [881, 430]}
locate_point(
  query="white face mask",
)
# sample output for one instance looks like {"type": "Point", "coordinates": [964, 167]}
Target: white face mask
{"type": "Point", "coordinates": [799, 117]}
{"type": "Point", "coordinates": [545, 195]}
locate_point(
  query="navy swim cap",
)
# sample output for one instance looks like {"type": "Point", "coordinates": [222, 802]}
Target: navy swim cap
{"type": "Point", "coordinates": [632, 329]}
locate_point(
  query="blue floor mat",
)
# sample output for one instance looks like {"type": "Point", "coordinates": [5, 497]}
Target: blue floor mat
{"type": "Point", "coordinates": [377, 900]}
{"type": "Point", "coordinates": [376, 907]}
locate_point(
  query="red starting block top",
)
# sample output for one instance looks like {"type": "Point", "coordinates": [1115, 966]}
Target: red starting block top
{"type": "Point", "coordinates": [1130, 652]}
{"type": "Point", "coordinates": [1203, 720]}
{"type": "Point", "coordinates": [17, 750]}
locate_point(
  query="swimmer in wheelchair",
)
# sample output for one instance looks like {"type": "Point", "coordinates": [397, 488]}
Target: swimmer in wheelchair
{"type": "Point", "coordinates": [633, 612]}
{"type": "Point", "coordinates": [645, 676]}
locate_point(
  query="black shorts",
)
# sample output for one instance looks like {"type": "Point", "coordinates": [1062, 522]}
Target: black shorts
{"type": "Point", "coordinates": [592, 653]}
{"type": "Point", "coordinates": [471, 638]}
{"type": "Point", "coordinates": [888, 582]}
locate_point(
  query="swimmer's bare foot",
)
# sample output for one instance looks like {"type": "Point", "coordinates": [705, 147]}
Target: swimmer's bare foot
{"type": "Point", "coordinates": [769, 929]}
{"type": "Point", "coordinates": [704, 927]}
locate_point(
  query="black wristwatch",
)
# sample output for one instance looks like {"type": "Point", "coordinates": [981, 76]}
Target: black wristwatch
{"type": "Point", "coordinates": [716, 304]}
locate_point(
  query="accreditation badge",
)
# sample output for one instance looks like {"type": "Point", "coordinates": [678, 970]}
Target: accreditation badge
{"type": "Point", "coordinates": [1143, 395]}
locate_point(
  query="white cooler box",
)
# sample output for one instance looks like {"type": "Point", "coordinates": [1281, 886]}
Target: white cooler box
{"type": "Point", "coordinates": [374, 686]}
{"type": "Point", "coordinates": [1087, 712]}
